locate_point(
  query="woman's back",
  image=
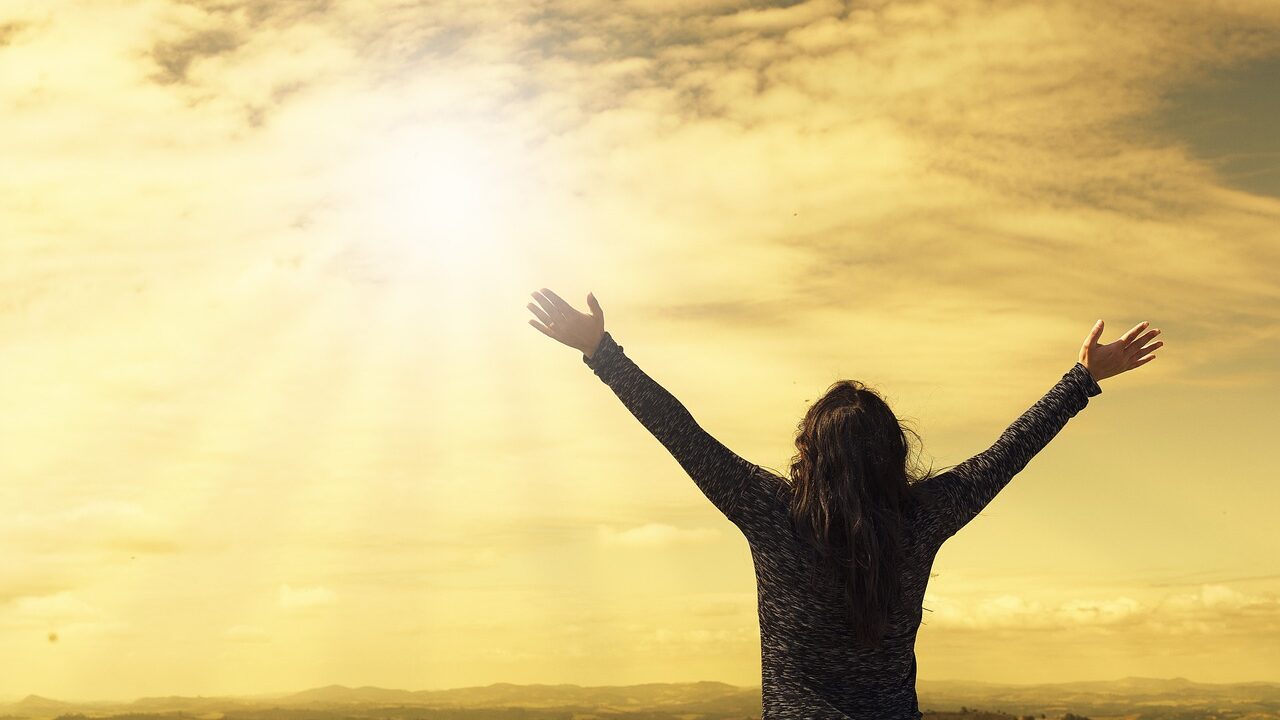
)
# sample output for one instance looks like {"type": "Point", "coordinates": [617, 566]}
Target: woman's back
{"type": "Point", "coordinates": [811, 665]}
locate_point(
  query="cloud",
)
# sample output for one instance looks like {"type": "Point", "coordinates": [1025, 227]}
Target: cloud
{"type": "Point", "coordinates": [697, 640]}
{"type": "Point", "coordinates": [65, 613]}
{"type": "Point", "coordinates": [246, 634]}
{"type": "Point", "coordinates": [654, 535]}
{"type": "Point", "coordinates": [780, 18]}
{"type": "Point", "coordinates": [291, 598]}
{"type": "Point", "coordinates": [1217, 608]}
{"type": "Point", "coordinates": [9, 31]}
{"type": "Point", "coordinates": [722, 605]}
{"type": "Point", "coordinates": [112, 527]}
{"type": "Point", "coordinates": [174, 58]}
{"type": "Point", "coordinates": [803, 149]}
{"type": "Point", "coordinates": [58, 608]}
{"type": "Point", "coordinates": [1214, 608]}
{"type": "Point", "coordinates": [20, 583]}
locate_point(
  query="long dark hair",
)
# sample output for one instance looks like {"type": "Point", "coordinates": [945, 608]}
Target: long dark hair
{"type": "Point", "coordinates": [852, 489]}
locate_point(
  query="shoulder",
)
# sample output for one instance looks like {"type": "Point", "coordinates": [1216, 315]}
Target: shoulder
{"type": "Point", "coordinates": [773, 486]}
{"type": "Point", "coordinates": [929, 490]}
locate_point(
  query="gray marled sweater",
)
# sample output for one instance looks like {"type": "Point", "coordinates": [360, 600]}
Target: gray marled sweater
{"type": "Point", "coordinates": [810, 666]}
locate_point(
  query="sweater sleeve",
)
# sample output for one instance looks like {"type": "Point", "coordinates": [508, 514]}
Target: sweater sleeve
{"type": "Point", "coordinates": [970, 486]}
{"type": "Point", "coordinates": [733, 485]}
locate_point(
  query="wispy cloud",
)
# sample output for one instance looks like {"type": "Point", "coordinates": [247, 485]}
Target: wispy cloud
{"type": "Point", "coordinates": [654, 535]}
{"type": "Point", "coordinates": [61, 615]}
{"type": "Point", "coordinates": [302, 598]}
{"type": "Point", "coordinates": [1212, 610]}
{"type": "Point", "coordinates": [247, 634]}
{"type": "Point", "coordinates": [95, 527]}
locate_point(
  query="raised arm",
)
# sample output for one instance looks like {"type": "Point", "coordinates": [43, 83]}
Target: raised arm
{"type": "Point", "coordinates": [732, 484]}
{"type": "Point", "coordinates": [739, 489]}
{"type": "Point", "coordinates": [970, 486]}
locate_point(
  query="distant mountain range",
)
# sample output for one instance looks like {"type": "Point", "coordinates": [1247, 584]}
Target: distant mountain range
{"type": "Point", "coordinates": [497, 695]}
{"type": "Point", "coordinates": [1151, 697]}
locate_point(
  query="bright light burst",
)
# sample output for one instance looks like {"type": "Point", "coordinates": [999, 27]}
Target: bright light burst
{"type": "Point", "coordinates": [438, 197]}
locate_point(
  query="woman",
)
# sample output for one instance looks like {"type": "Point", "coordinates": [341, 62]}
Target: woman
{"type": "Point", "coordinates": [843, 547]}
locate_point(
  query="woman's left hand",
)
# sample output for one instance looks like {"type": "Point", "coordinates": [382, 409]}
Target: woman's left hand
{"type": "Point", "coordinates": [561, 322]}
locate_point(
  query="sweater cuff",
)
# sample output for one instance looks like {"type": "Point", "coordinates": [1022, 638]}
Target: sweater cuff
{"type": "Point", "coordinates": [606, 352]}
{"type": "Point", "coordinates": [1085, 379]}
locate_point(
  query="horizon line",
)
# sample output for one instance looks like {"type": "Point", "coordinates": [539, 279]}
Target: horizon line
{"type": "Point", "coordinates": [14, 700]}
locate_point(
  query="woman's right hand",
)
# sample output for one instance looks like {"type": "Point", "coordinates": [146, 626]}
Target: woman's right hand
{"type": "Point", "coordinates": [561, 321]}
{"type": "Point", "coordinates": [1126, 353]}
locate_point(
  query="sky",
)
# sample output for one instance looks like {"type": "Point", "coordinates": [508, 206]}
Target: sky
{"type": "Point", "coordinates": [272, 415]}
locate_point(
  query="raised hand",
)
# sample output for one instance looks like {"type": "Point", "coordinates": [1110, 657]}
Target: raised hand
{"type": "Point", "coordinates": [1126, 353]}
{"type": "Point", "coordinates": [561, 322]}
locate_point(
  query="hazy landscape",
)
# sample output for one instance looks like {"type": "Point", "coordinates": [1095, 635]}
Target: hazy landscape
{"type": "Point", "coordinates": [272, 415]}
{"type": "Point", "coordinates": [1132, 698]}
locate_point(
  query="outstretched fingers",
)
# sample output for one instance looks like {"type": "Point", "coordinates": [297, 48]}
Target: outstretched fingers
{"type": "Point", "coordinates": [1128, 337]}
{"type": "Point", "coordinates": [1148, 349]}
{"type": "Point", "coordinates": [541, 315]}
{"type": "Point", "coordinates": [1145, 338]}
{"type": "Point", "coordinates": [542, 329]}
{"type": "Point", "coordinates": [553, 311]}
{"type": "Point", "coordinates": [564, 307]}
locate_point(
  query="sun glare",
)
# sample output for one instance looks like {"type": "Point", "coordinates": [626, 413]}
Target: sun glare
{"type": "Point", "coordinates": [444, 196]}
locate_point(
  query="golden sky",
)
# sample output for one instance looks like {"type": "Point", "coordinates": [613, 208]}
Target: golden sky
{"type": "Point", "coordinates": [272, 417]}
